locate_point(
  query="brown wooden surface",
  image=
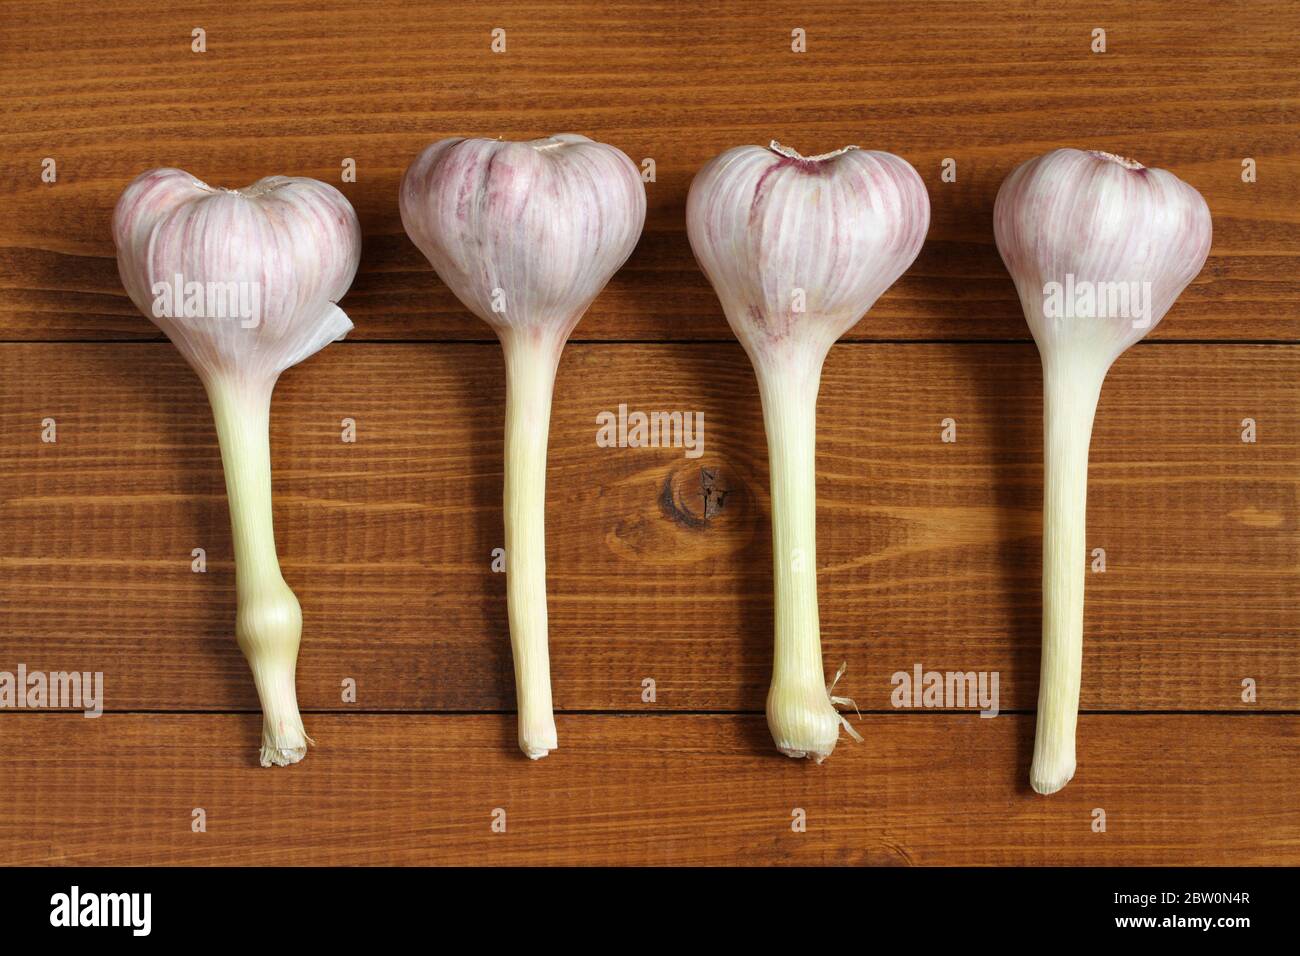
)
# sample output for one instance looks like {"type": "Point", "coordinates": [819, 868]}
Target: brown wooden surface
{"type": "Point", "coordinates": [1183, 85]}
{"type": "Point", "coordinates": [690, 789]}
{"type": "Point", "coordinates": [928, 552]}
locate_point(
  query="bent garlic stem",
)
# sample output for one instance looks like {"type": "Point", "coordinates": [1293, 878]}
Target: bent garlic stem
{"type": "Point", "coordinates": [531, 361]}
{"type": "Point", "coordinates": [268, 623]}
{"type": "Point", "coordinates": [800, 710]}
{"type": "Point", "coordinates": [1070, 394]}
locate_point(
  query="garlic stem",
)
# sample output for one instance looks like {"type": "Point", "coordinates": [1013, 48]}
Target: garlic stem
{"type": "Point", "coordinates": [1070, 393]}
{"type": "Point", "coordinates": [268, 624]}
{"type": "Point", "coordinates": [531, 360]}
{"type": "Point", "coordinates": [800, 715]}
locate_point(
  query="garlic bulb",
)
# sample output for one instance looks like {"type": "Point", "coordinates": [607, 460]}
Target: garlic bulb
{"type": "Point", "coordinates": [244, 282]}
{"type": "Point", "coordinates": [1099, 248]}
{"type": "Point", "coordinates": [526, 235]}
{"type": "Point", "coordinates": [798, 249]}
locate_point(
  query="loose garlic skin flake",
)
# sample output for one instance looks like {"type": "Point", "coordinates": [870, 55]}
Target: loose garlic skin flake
{"type": "Point", "coordinates": [289, 248]}
{"type": "Point", "coordinates": [798, 249]}
{"type": "Point", "coordinates": [526, 235]}
{"type": "Point", "coordinates": [1076, 226]}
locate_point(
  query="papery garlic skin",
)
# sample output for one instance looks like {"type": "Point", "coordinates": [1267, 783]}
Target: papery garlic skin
{"type": "Point", "coordinates": [526, 235]}
{"type": "Point", "coordinates": [1085, 219]}
{"type": "Point", "coordinates": [297, 238]}
{"type": "Point", "coordinates": [798, 249]}
{"type": "Point", "coordinates": [297, 241]}
{"type": "Point", "coordinates": [1100, 218]}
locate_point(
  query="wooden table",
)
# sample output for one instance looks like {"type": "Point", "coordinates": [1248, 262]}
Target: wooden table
{"type": "Point", "coordinates": [659, 564]}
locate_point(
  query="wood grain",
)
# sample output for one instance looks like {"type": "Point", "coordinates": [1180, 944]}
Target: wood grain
{"type": "Point", "coordinates": [111, 91]}
{"type": "Point", "coordinates": [659, 564]}
{"type": "Point", "coordinates": [928, 552]}
{"type": "Point", "coordinates": [924, 790]}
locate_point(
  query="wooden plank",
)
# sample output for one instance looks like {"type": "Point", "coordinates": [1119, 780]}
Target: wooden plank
{"type": "Point", "coordinates": [929, 552]}
{"type": "Point", "coordinates": [108, 92]}
{"type": "Point", "coordinates": [659, 563]}
{"type": "Point", "coordinates": [700, 790]}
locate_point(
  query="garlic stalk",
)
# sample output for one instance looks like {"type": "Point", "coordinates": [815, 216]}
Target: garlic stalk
{"type": "Point", "coordinates": [1099, 248]}
{"type": "Point", "coordinates": [798, 249]}
{"type": "Point", "coordinates": [526, 235]}
{"type": "Point", "coordinates": [244, 283]}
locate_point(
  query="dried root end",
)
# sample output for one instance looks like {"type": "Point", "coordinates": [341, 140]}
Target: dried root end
{"type": "Point", "coordinates": [540, 739]}
{"type": "Point", "coordinates": [814, 756]}
{"type": "Point", "coordinates": [284, 749]}
{"type": "Point", "coordinates": [1047, 780]}
{"type": "Point", "coordinates": [800, 734]}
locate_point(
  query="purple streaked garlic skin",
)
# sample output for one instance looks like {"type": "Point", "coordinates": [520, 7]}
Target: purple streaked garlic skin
{"type": "Point", "coordinates": [256, 274]}
{"type": "Point", "coordinates": [526, 235]}
{"type": "Point", "coordinates": [798, 249]}
{"type": "Point", "coordinates": [1100, 218]}
{"type": "Point", "coordinates": [298, 239]}
{"type": "Point", "coordinates": [1129, 239]}
{"type": "Point", "coordinates": [840, 227]}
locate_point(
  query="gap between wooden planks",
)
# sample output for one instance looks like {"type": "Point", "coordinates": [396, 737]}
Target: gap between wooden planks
{"type": "Point", "coordinates": [928, 552]}
{"type": "Point", "coordinates": [927, 789]}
